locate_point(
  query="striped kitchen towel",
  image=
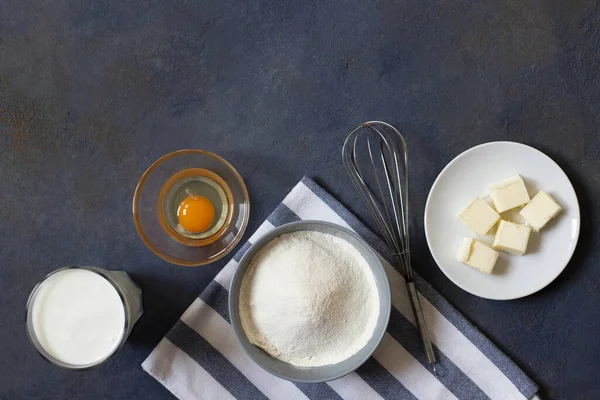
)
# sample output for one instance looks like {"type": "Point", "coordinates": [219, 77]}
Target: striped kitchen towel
{"type": "Point", "coordinates": [200, 357]}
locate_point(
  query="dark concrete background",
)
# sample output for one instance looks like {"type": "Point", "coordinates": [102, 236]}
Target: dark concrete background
{"type": "Point", "coordinates": [91, 92]}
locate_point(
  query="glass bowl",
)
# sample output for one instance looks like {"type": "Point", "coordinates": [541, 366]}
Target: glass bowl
{"type": "Point", "coordinates": [147, 210]}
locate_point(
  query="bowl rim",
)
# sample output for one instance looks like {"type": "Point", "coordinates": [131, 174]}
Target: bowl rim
{"type": "Point", "coordinates": [135, 207]}
{"type": "Point", "coordinates": [385, 307]}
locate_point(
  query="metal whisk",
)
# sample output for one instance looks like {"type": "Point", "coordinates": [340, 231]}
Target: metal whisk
{"type": "Point", "coordinates": [382, 181]}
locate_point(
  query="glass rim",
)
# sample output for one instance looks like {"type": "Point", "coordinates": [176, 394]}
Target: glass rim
{"type": "Point", "coordinates": [40, 348]}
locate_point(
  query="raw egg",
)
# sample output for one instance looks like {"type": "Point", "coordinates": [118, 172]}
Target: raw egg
{"type": "Point", "coordinates": [196, 214]}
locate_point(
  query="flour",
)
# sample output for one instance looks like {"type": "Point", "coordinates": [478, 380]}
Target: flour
{"type": "Point", "coordinates": [309, 299]}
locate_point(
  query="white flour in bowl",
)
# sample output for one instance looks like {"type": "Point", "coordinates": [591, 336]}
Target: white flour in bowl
{"type": "Point", "coordinates": [309, 299]}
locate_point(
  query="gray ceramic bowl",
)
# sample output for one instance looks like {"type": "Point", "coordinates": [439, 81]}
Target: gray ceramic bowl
{"type": "Point", "coordinates": [328, 372]}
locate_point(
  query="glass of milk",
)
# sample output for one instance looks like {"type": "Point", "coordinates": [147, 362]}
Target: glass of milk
{"type": "Point", "coordinates": [77, 317]}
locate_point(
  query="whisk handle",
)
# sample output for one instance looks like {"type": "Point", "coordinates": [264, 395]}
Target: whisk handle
{"type": "Point", "coordinates": [421, 325]}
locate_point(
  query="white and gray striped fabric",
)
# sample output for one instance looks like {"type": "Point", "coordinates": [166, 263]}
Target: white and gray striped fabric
{"type": "Point", "coordinates": [200, 357]}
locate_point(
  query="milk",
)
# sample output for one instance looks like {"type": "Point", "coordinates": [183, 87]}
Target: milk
{"type": "Point", "coordinates": [78, 317]}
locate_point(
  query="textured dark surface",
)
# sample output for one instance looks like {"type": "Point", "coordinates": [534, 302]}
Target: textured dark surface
{"type": "Point", "coordinates": [91, 92]}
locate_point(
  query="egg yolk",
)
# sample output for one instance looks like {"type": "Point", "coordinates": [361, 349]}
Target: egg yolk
{"type": "Point", "coordinates": [196, 214]}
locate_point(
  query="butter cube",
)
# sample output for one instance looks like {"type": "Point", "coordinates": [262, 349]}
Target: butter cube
{"type": "Point", "coordinates": [541, 209]}
{"type": "Point", "coordinates": [477, 255]}
{"type": "Point", "coordinates": [479, 216]}
{"type": "Point", "coordinates": [512, 238]}
{"type": "Point", "coordinates": [509, 193]}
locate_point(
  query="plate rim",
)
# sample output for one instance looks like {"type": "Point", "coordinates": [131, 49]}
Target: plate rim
{"type": "Point", "coordinates": [576, 208]}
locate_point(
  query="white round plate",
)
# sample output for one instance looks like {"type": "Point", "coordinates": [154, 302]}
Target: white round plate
{"type": "Point", "coordinates": [468, 176]}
